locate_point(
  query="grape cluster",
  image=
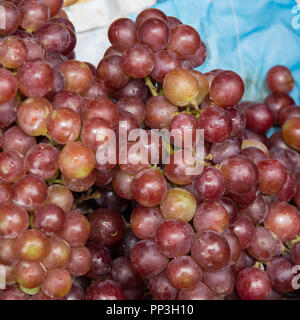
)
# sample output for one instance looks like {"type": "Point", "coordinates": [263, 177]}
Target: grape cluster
{"type": "Point", "coordinates": [72, 227]}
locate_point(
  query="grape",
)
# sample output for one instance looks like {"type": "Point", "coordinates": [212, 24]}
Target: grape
{"type": "Point", "coordinates": [8, 89]}
{"type": "Point", "coordinates": [111, 51]}
{"type": "Point", "coordinates": [76, 161]}
{"type": "Point", "coordinates": [55, 6]}
{"type": "Point", "coordinates": [80, 261]}
{"type": "Point", "coordinates": [216, 124]}
{"type": "Point", "coordinates": [64, 125]}
{"type": "Point", "coordinates": [42, 161]}
{"type": "Point", "coordinates": [244, 230]}
{"type": "Point", "coordinates": [290, 133]}
{"type": "Point", "coordinates": [122, 184]}
{"type": "Point", "coordinates": [147, 260]}
{"type": "Point", "coordinates": [277, 101]}
{"type": "Point", "coordinates": [11, 166]}
{"type": "Point", "coordinates": [13, 52]}
{"type": "Point", "coordinates": [50, 219]}
{"type": "Point", "coordinates": [230, 207]}
{"type": "Point", "coordinates": [180, 166]}
{"type": "Point", "coordinates": [101, 108]}
{"type": "Point", "coordinates": [32, 245]}
{"type": "Point", "coordinates": [297, 197]}
{"type": "Point", "coordinates": [35, 78]}
{"type": "Point", "coordinates": [149, 187]}
{"type": "Point", "coordinates": [287, 113]}
{"type": "Point", "coordinates": [122, 34]}
{"type": "Point", "coordinates": [283, 220]}
{"type": "Point", "coordinates": [180, 124]}
{"type": "Point", "coordinates": [137, 61]}
{"type": "Point", "coordinates": [259, 118]}
{"type": "Point", "coordinates": [221, 282]}
{"type": "Point", "coordinates": [199, 292]}
{"type": "Point", "coordinates": [78, 76]}
{"type": "Point", "coordinates": [5, 192]}
{"type": "Point", "coordinates": [285, 157]}
{"type": "Point", "coordinates": [244, 261]}
{"type": "Point", "coordinates": [34, 13]}
{"type": "Point", "coordinates": [101, 261]}
{"type": "Point", "coordinates": [14, 220]}
{"type": "Point", "coordinates": [198, 58]}
{"type": "Point", "coordinates": [174, 238]}
{"type": "Point", "coordinates": [80, 185]}
{"type": "Point", "coordinates": [288, 190]}
{"type": "Point", "coordinates": [154, 33]}
{"type": "Point", "coordinates": [68, 99]}
{"type": "Point", "coordinates": [161, 288]}
{"type": "Point", "coordinates": [57, 284]}
{"type": "Point", "coordinates": [11, 16]}
{"type": "Point", "coordinates": [107, 226]}
{"type": "Point", "coordinates": [54, 58]}
{"type": "Point", "coordinates": [97, 89]}
{"type": "Point", "coordinates": [280, 272]}
{"type": "Point", "coordinates": [183, 272]}
{"type": "Point", "coordinates": [280, 79]}
{"type": "Point", "coordinates": [271, 176]}
{"type": "Point", "coordinates": [264, 246]}
{"type": "Point", "coordinates": [54, 37]}
{"type": "Point", "coordinates": [150, 14]}
{"type": "Point", "coordinates": [203, 86]}
{"type": "Point", "coordinates": [134, 88]}
{"type": "Point", "coordinates": [159, 112]}
{"type": "Point", "coordinates": [211, 216]}
{"type": "Point", "coordinates": [145, 221]}
{"type": "Point", "coordinates": [30, 192]}
{"type": "Point", "coordinates": [30, 274]}
{"type": "Point", "coordinates": [110, 71]}
{"type": "Point", "coordinates": [8, 255]}
{"type": "Point", "coordinates": [123, 273]}
{"type": "Point", "coordinates": [32, 116]}
{"type": "Point", "coordinates": [127, 243]}
{"type": "Point", "coordinates": [180, 87]}
{"type": "Point", "coordinates": [64, 22]}
{"type": "Point", "coordinates": [255, 136]}
{"type": "Point", "coordinates": [253, 284]}
{"type": "Point", "coordinates": [34, 49]}
{"type": "Point", "coordinates": [240, 173]}
{"type": "Point", "coordinates": [234, 244]}
{"type": "Point", "coordinates": [76, 229]}
{"type": "Point", "coordinates": [256, 211]}
{"type": "Point", "coordinates": [243, 199]}
{"type": "Point", "coordinates": [103, 177]}
{"type": "Point", "coordinates": [210, 185]}
{"type": "Point", "coordinates": [184, 41]}
{"type": "Point", "coordinates": [238, 121]}
{"type": "Point", "coordinates": [178, 204]}
{"type": "Point", "coordinates": [76, 293]}
{"type": "Point", "coordinates": [254, 154]}
{"type": "Point", "coordinates": [58, 255]}
{"type": "Point", "coordinates": [210, 250]}
{"type": "Point", "coordinates": [173, 22]}
{"type": "Point", "coordinates": [104, 290]}
{"type": "Point", "coordinates": [164, 62]}
{"type": "Point", "coordinates": [61, 196]}
{"type": "Point", "coordinates": [227, 88]}
{"type": "Point", "coordinates": [225, 149]}
{"type": "Point", "coordinates": [13, 292]}
{"type": "Point", "coordinates": [133, 105]}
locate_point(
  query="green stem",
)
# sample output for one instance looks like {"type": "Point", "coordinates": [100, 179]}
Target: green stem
{"type": "Point", "coordinates": [150, 85]}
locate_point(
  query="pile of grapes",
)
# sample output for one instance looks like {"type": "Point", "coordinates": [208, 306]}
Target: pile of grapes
{"type": "Point", "coordinates": [74, 228]}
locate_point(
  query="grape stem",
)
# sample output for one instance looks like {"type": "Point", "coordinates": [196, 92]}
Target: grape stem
{"type": "Point", "coordinates": [150, 85]}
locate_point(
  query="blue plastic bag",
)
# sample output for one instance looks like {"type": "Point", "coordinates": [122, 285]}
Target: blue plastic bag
{"type": "Point", "coordinates": [246, 36]}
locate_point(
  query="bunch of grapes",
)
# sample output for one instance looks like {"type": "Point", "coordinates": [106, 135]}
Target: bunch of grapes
{"type": "Point", "coordinates": [75, 227]}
